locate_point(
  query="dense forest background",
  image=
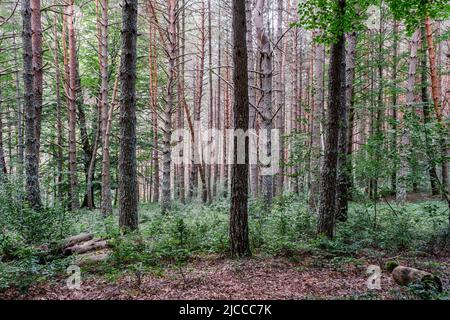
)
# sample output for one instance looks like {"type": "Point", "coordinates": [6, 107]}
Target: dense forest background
{"type": "Point", "coordinates": [98, 98]}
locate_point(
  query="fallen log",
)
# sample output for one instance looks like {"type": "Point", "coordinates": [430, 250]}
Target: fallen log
{"type": "Point", "coordinates": [88, 246]}
{"type": "Point", "coordinates": [82, 237]}
{"type": "Point", "coordinates": [91, 258]}
{"type": "Point", "coordinates": [405, 276]}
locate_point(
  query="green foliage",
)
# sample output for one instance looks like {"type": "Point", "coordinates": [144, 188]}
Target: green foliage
{"type": "Point", "coordinates": [24, 235]}
{"type": "Point", "coordinates": [327, 16]}
{"type": "Point", "coordinates": [286, 229]}
{"type": "Point", "coordinates": [413, 12]}
{"type": "Point", "coordinates": [427, 289]}
{"type": "Point", "coordinates": [32, 227]}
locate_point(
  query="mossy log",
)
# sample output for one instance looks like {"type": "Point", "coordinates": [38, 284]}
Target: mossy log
{"type": "Point", "coordinates": [405, 276]}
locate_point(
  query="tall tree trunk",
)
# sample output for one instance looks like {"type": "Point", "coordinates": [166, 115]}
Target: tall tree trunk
{"type": "Point", "coordinates": [239, 174]}
{"type": "Point", "coordinates": [344, 154]}
{"type": "Point", "coordinates": [404, 139]}
{"type": "Point", "coordinates": [297, 84]}
{"type": "Point", "coordinates": [280, 96]}
{"type": "Point", "coordinates": [74, 201]}
{"type": "Point", "coordinates": [265, 63]}
{"type": "Point", "coordinates": [20, 146]}
{"type": "Point", "coordinates": [336, 101]}
{"type": "Point", "coordinates": [128, 203]}
{"type": "Point", "coordinates": [318, 107]}
{"type": "Point", "coordinates": [198, 160]}
{"type": "Point", "coordinates": [226, 119]}
{"type": "Point", "coordinates": [59, 125]}
{"type": "Point", "coordinates": [209, 167]}
{"type": "Point", "coordinates": [106, 205]}
{"type": "Point", "coordinates": [3, 169]}
{"type": "Point", "coordinates": [31, 144]}
{"type": "Point", "coordinates": [92, 161]}
{"type": "Point", "coordinates": [219, 101]}
{"type": "Point", "coordinates": [181, 99]}
{"type": "Point", "coordinates": [87, 148]}
{"type": "Point", "coordinates": [436, 96]}
{"type": "Point", "coordinates": [251, 96]}
{"type": "Point", "coordinates": [426, 108]}
{"type": "Point", "coordinates": [167, 131]}
{"type": "Point", "coordinates": [394, 104]}
{"type": "Point", "coordinates": [36, 39]}
{"type": "Point", "coordinates": [153, 84]}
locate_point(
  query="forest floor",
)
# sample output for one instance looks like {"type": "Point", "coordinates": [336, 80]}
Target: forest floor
{"type": "Point", "coordinates": [184, 255]}
{"type": "Point", "coordinates": [215, 277]}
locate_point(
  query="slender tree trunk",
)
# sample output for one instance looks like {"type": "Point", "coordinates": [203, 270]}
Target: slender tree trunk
{"type": "Point", "coordinates": [209, 167]}
{"type": "Point", "coordinates": [181, 100]}
{"type": "Point", "coordinates": [200, 167]}
{"type": "Point", "coordinates": [128, 203]}
{"type": "Point", "coordinates": [280, 97]}
{"type": "Point", "coordinates": [87, 148]}
{"type": "Point", "coordinates": [36, 39]}
{"type": "Point", "coordinates": [226, 121]}
{"type": "Point", "coordinates": [265, 62]}
{"type": "Point", "coordinates": [59, 125]}
{"type": "Point", "coordinates": [404, 139]}
{"type": "Point", "coordinates": [92, 161]}
{"type": "Point", "coordinates": [296, 67]}
{"type": "Point", "coordinates": [434, 180]}
{"type": "Point", "coordinates": [153, 84]}
{"type": "Point", "coordinates": [31, 144]}
{"type": "Point", "coordinates": [436, 96]}
{"type": "Point", "coordinates": [251, 96]}
{"type": "Point", "coordinates": [219, 100]}
{"type": "Point", "coordinates": [167, 132]}
{"type": "Point", "coordinates": [239, 174]}
{"type": "Point", "coordinates": [20, 146]}
{"type": "Point", "coordinates": [336, 102]}
{"type": "Point", "coordinates": [106, 205]}
{"type": "Point", "coordinates": [3, 169]}
{"type": "Point", "coordinates": [394, 105]}
{"type": "Point", "coordinates": [318, 107]}
{"type": "Point", "coordinates": [74, 201]}
{"type": "Point", "coordinates": [344, 155]}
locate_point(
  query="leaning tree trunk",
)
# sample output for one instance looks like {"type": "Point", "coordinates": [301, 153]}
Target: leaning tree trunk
{"type": "Point", "coordinates": [128, 202]}
{"type": "Point", "coordinates": [239, 172]}
{"type": "Point", "coordinates": [31, 144]}
{"type": "Point", "coordinates": [404, 139]}
{"type": "Point", "coordinates": [336, 101]}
